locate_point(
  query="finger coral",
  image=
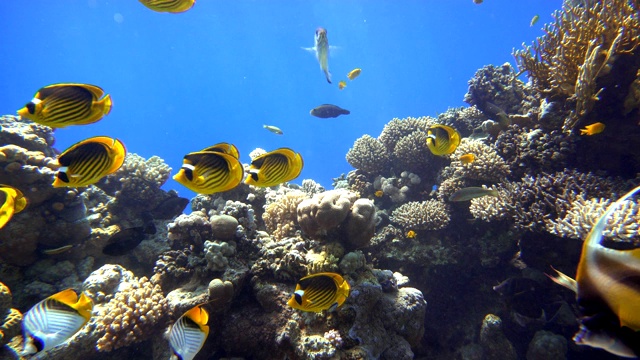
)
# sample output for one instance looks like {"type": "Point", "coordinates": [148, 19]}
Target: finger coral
{"type": "Point", "coordinates": [422, 215]}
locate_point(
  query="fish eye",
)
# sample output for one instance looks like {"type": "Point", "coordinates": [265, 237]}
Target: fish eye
{"type": "Point", "coordinates": [188, 173]}
{"type": "Point", "coordinates": [298, 298]}
{"type": "Point", "coordinates": [254, 176]}
{"type": "Point", "coordinates": [31, 107]}
{"type": "Point", "coordinates": [63, 177]}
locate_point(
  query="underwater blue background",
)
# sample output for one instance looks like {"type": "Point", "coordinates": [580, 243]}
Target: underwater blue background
{"type": "Point", "coordinates": [182, 82]}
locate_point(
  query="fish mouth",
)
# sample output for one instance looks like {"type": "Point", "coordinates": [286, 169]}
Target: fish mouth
{"type": "Point", "coordinates": [321, 31]}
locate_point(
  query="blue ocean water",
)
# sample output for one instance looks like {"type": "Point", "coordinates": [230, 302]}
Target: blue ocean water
{"type": "Point", "coordinates": [182, 82]}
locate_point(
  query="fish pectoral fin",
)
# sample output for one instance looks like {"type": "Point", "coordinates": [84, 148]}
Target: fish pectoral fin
{"type": "Point", "coordinates": [309, 49]}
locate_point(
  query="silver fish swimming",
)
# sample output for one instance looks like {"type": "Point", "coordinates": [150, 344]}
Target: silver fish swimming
{"type": "Point", "coordinates": [321, 49]}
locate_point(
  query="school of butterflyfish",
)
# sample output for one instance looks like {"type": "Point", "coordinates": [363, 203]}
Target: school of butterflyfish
{"type": "Point", "coordinates": [604, 284]}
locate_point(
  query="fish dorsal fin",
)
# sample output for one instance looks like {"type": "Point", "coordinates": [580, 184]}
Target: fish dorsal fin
{"type": "Point", "coordinates": [95, 91]}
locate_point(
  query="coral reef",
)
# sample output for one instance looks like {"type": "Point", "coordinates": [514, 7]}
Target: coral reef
{"type": "Point", "coordinates": [280, 216]}
{"type": "Point", "coordinates": [581, 46]}
{"type": "Point", "coordinates": [368, 154]}
{"type": "Point", "coordinates": [422, 215]}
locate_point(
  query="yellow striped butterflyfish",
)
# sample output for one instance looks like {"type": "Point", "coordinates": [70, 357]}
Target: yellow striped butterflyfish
{"type": "Point", "coordinates": [274, 167]}
{"type": "Point", "coordinates": [188, 334]}
{"type": "Point", "coordinates": [54, 320]}
{"type": "Point", "coordinates": [172, 6]}
{"type": "Point", "coordinates": [214, 169]}
{"type": "Point", "coordinates": [61, 105]}
{"type": "Point", "coordinates": [11, 202]}
{"type": "Point", "coordinates": [321, 291]}
{"type": "Point", "coordinates": [442, 139]}
{"type": "Point", "coordinates": [87, 161]}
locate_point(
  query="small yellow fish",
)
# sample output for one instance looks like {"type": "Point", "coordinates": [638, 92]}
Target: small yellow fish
{"type": "Point", "coordinates": [342, 84]}
{"type": "Point", "coordinates": [171, 6]}
{"type": "Point", "coordinates": [534, 20]}
{"type": "Point", "coordinates": [214, 169]}
{"type": "Point", "coordinates": [274, 129]}
{"type": "Point", "coordinates": [87, 161]}
{"type": "Point", "coordinates": [274, 167]}
{"type": "Point", "coordinates": [378, 193]}
{"type": "Point", "coordinates": [61, 105]}
{"type": "Point", "coordinates": [595, 128]}
{"type": "Point", "coordinates": [467, 158]}
{"type": "Point", "coordinates": [54, 320]}
{"type": "Point", "coordinates": [321, 291]}
{"type": "Point", "coordinates": [11, 202]}
{"type": "Point", "coordinates": [442, 139]}
{"type": "Point", "coordinates": [189, 333]}
{"type": "Point", "coordinates": [354, 73]}
{"type": "Point", "coordinates": [411, 234]}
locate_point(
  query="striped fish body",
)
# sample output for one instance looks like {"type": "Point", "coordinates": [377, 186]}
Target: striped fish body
{"type": "Point", "coordinates": [189, 333]}
{"type": "Point", "coordinates": [171, 6]}
{"type": "Point", "coordinates": [224, 148]}
{"type": "Point", "coordinates": [54, 320]}
{"type": "Point", "coordinates": [318, 292]}
{"type": "Point", "coordinates": [274, 168]}
{"type": "Point", "coordinates": [209, 172]}
{"type": "Point", "coordinates": [61, 105]}
{"type": "Point", "coordinates": [442, 139]}
{"type": "Point", "coordinates": [11, 202]}
{"type": "Point", "coordinates": [88, 161]}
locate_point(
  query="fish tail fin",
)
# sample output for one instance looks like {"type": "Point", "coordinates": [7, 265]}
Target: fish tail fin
{"type": "Point", "coordinates": [327, 74]}
{"type": "Point", "coordinates": [106, 104]}
{"type": "Point", "coordinates": [563, 280]}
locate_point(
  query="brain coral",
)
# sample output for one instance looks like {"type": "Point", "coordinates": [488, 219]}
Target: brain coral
{"type": "Point", "coordinates": [422, 215]}
{"type": "Point", "coordinates": [324, 211]}
{"type": "Point", "coordinates": [368, 154]}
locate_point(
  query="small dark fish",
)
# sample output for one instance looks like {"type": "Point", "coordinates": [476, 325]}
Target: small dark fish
{"type": "Point", "coordinates": [170, 208]}
{"type": "Point", "coordinates": [125, 240]}
{"type": "Point", "coordinates": [57, 251]}
{"type": "Point", "coordinates": [325, 111]}
{"type": "Point", "coordinates": [503, 118]}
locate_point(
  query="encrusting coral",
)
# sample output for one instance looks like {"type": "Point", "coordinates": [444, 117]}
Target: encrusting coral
{"type": "Point", "coordinates": [581, 45]}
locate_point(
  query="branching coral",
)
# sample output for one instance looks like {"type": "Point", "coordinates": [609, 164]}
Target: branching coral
{"type": "Point", "coordinates": [368, 154]}
{"type": "Point", "coordinates": [547, 196]}
{"type": "Point", "coordinates": [622, 225]}
{"type": "Point", "coordinates": [487, 166]}
{"type": "Point", "coordinates": [280, 216]}
{"type": "Point", "coordinates": [422, 215]}
{"type": "Point", "coordinates": [499, 86]}
{"type": "Point", "coordinates": [412, 152]}
{"type": "Point", "coordinates": [579, 47]}
{"type": "Point", "coordinates": [396, 129]}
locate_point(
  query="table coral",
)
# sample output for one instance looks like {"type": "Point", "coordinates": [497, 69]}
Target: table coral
{"type": "Point", "coordinates": [422, 215]}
